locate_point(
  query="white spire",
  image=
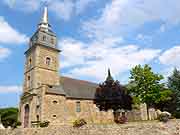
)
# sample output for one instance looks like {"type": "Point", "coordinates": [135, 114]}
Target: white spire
{"type": "Point", "coordinates": [45, 15]}
{"type": "Point", "coordinates": [44, 21]}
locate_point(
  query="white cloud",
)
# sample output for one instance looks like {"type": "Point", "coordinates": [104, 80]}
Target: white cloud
{"type": "Point", "coordinates": [63, 9]}
{"type": "Point", "coordinates": [4, 53]}
{"type": "Point", "coordinates": [9, 35]}
{"type": "Point", "coordinates": [121, 16]}
{"type": "Point", "coordinates": [92, 60]}
{"type": "Point", "coordinates": [10, 89]}
{"type": "Point", "coordinates": [171, 57]}
{"type": "Point", "coordinates": [24, 5]}
{"type": "Point", "coordinates": [81, 5]}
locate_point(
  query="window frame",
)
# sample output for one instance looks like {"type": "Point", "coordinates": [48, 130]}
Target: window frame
{"type": "Point", "coordinates": [78, 106]}
{"type": "Point", "coordinates": [48, 61]}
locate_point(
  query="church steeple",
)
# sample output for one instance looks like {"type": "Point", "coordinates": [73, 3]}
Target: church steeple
{"type": "Point", "coordinates": [44, 34]}
{"type": "Point", "coordinates": [44, 21]}
{"type": "Point", "coordinates": [109, 77]}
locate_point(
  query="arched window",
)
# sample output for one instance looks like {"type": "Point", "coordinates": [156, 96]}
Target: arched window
{"type": "Point", "coordinates": [55, 102]}
{"type": "Point", "coordinates": [30, 62]}
{"type": "Point", "coordinates": [37, 117]}
{"type": "Point", "coordinates": [26, 116]}
{"type": "Point", "coordinates": [48, 61]}
{"type": "Point", "coordinates": [78, 106]}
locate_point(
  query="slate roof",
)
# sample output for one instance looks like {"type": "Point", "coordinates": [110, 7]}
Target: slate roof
{"type": "Point", "coordinates": [73, 88]}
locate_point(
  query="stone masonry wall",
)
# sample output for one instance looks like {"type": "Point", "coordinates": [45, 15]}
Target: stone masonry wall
{"type": "Point", "coordinates": [134, 128]}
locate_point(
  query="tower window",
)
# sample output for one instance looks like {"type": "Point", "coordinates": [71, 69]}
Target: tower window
{"type": "Point", "coordinates": [28, 81]}
{"type": "Point", "coordinates": [55, 102]}
{"type": "Point", "coordinates": [37, 117]}
{"type": "Point", "coordinates": [48, 61]}
{"type": "Point", "coordinates": [30, 62]}
{"type": "Point", "coordinates": [44, 38]}
{"type": "Point", "coordinates": [78, 106]}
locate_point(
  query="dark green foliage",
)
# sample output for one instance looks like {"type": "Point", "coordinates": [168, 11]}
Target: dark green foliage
{"type": "Point", "coordinates": [44, 124]}
{"type": "Point", "coordinates": [9, 117]}
{"type": "Point", "coordinates": [174, 85]}
{"type": "Point", "coordinates": [111, 95]}
{"type": "Point", "coordinates": [79, 123]}
{"type": "Point", "coordinates": [145, 85]}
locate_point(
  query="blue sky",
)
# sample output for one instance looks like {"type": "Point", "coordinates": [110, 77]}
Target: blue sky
{"type": "Point", "coordinates": [93, 35]}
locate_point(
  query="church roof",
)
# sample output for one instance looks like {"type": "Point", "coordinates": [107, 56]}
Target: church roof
{"type": "Point", "coordinates": [73, 88]}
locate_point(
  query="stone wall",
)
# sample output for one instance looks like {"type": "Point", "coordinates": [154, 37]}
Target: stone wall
{"type": "Point", "coordinates": [59, 110]}
{"type": "Point", "coordinates": [133, 128]}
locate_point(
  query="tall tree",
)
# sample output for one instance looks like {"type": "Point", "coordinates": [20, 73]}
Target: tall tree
{"type": "Point", "coordinates": [174, 84]}
{"type": "Point", "coordinates": [146, 86]}
{"type": "Point", "coordinates": [111, 95]}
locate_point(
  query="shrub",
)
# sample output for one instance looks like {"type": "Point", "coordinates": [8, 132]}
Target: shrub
{"type": "Point", "coordinates": [79, 123]}
{"type": "Point", "coordinates": [176, 115]}
{"type": "Point", "coordinates": [44, 124]}
{"type": "Point", "coordinates": [164, 117]}
{"type": "Point", "coordinates": [121, 120]}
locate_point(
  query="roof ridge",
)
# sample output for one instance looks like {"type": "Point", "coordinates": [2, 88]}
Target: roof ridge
{"type": "Point", "coordinates": [79, 80]}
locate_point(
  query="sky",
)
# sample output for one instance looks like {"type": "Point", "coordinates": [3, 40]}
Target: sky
{"type": "Point", "coordinates": [94, 35]}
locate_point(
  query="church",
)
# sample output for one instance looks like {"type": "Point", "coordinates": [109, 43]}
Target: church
{"type": "Point", "coordinates": [48, 96]}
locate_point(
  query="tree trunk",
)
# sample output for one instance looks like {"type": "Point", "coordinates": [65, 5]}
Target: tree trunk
{"type": "Point", "coordinates": [147, 112]}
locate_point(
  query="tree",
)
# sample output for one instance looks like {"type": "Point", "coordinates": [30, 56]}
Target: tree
{"type": "Point", "coordinates": [111, 95]}
{"type": "Point", "coordinates": [146, 86]}
{"type": "Point", "coordinates": [174, 84]}
{"type": "Point", "coordinates": [9, 117]}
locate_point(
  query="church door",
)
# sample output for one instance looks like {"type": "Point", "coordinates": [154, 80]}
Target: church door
{"type": "Point", "coordinates": [26, 116]}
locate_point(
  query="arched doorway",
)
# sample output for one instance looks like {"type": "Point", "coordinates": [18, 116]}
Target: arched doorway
{"type": "Point", "coordinates": [26, 116]}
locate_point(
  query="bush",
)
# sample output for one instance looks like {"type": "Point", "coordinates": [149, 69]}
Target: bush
{"type": "Point", "coordinates": [16, 124]}
{"type": "Point", "coordinates": [164, 117]}
{"type": "Point", "coordinates": [79, 123]}
{"type": "Point", "coordinates": [44, 124]}
{"type": "Point", "coordinates": [176, 115]}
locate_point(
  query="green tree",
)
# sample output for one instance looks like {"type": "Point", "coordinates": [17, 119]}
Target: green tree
{"type": "Point", "coordinates": [174, 84]}
{"type": "Point", "coordinates": [9, 117]}
{"type": "Point", "coordinates": [147, 87]}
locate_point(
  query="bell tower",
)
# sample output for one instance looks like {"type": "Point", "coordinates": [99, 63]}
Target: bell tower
{"type": "Point", "coordinates": [41, 70]}
{"type": "Point", "coordinates": [42, 57]}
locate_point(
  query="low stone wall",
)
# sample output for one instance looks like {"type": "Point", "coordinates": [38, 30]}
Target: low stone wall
{"type": "Point", "coordinates": [133, 128]}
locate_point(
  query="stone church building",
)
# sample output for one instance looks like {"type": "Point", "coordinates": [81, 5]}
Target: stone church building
{"type": "Point", "coordinates": [48, 96]}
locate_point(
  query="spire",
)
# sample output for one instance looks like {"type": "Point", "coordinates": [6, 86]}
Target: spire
{"type": "Point", "coordinates": [44, 21]}
{"type": "Point", "coordinates": [109, 72]}
{"type": "Point", "coordinates": [109, 77]}
{"type": "Point", "coordinates": [45, 15]}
